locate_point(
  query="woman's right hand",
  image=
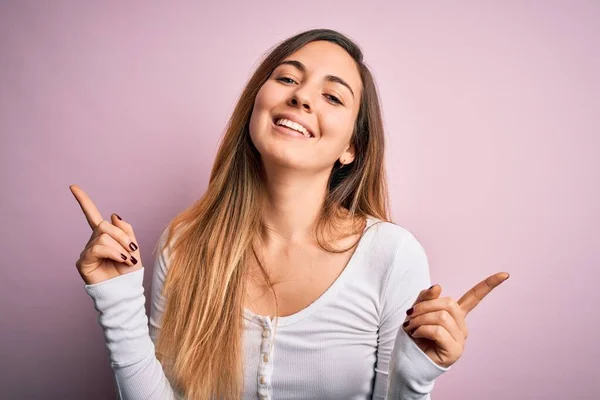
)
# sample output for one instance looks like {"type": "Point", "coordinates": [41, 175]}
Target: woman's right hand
{"type": "Point", "coordinates": [112, 249]}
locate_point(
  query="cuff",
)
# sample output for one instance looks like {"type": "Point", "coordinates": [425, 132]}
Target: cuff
{"type": "Point", "coordinates": [121, 304]}
{"type": "Point", "coordinates": [412, 366]}
{"type": "Point", "coordinates": [116, 285]}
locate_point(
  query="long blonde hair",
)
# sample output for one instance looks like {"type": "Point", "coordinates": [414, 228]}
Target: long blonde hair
{"type": "Point", "coordinates": [211, 242]}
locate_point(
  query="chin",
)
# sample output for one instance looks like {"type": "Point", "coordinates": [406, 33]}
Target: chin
{"type": "Point", "coordinates": [278, 150]}
{"type": "Point", "coordinates": [285, 160]}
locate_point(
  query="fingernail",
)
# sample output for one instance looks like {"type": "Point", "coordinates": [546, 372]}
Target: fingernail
{"type": "Point", "coordinates": [117, 215]}
{"type": "Point", "coordinates": [133, 260]}
{"type": "Point", "coordinates": [410, 311]}
{"type": "Point", "coordinates": [132, 246]}
{"type": "Point", "coordinates": [412, 332]}
{"type": "Point", "coordinates": [406, 324]}
{"type": "Point", "coordinates": [123, 256]}
{"type": "Point", "coordinates": [430, 287]}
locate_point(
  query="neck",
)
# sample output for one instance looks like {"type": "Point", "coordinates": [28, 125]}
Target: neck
{"type": "Point", "coordinates": [294, 202]}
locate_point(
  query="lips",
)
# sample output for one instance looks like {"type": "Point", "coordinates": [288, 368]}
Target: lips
{"type": "Point", "coordinates": [295, 119]}
{"type": "Point", "coordinates": [291, 132]}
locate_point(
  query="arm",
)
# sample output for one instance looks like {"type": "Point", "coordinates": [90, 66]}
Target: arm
{"type": "Point", "coordinates": [403, 371]}
{"type": "Point", "coordinates": [120, 302]}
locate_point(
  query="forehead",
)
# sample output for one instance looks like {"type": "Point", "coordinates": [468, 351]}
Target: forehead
{"type": "Point", "coordinates": [322, 58]}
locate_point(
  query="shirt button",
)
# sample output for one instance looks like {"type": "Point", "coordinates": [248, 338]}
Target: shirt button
{"type": "Point", "coordinates": [262, 380]}
{"type": "Point", "coordinates": [265, 333]}
{"type": "Point", "coordinates": [265, 357]}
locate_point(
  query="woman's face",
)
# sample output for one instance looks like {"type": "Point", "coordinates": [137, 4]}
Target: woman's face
{"type": "Point", "coordinates": [318, 86]}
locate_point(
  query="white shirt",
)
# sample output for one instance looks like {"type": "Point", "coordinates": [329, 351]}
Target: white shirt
{"type": "Point", "coordinates": [347, 344]}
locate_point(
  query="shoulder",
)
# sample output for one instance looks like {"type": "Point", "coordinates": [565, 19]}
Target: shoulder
{"type": "Point", "coordinates": [162, 252]}
{"type": "Point", "coordinates": [404, 268]}
{"type": "Point", "coordinates": [167, 240]}
{"type": "Point", "coordinates": [400, 252]}
{"type": "Point", "coordinates": [391, 238]}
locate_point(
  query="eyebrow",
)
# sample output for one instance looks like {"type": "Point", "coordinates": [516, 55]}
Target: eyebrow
{"type": "Point", "coordinates": [330, 78]}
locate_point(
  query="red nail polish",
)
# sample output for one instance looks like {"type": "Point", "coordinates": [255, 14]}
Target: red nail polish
{"type": "Point", "coordinates": [412, 332]}
{"type": "Point", "coordinates": [406, 324]}
{"type": "Point", "coordinates": [133, 260]}
{"type": "Point", "coordinates": [410, 311]}
{"type": "Point", "coordinates": [117, 215]}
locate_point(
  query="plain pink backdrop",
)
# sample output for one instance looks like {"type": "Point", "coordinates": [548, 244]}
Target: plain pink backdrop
{"type": "Point", "coordinates": [492, 116]}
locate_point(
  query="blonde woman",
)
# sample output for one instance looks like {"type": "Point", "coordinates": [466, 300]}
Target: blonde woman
{"type": "Point", "coordinates": [286, 280]}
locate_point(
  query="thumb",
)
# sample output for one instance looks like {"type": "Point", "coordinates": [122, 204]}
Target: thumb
{"type": "Point", "coordinates": [429, 294]}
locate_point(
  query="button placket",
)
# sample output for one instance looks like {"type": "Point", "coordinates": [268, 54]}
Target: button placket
{"type": "Point", "coordinates": [265, 367]}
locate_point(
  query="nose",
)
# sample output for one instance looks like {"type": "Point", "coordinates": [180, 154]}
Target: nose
{"type": "Point", "coordinates": [300, 99]}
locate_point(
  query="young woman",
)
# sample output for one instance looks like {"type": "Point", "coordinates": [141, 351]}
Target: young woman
{"type": "Point", "coordinates": [286, 279]}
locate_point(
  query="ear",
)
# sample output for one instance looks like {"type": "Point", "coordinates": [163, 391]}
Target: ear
{"type": "Point", "coordinates": [347, 156]}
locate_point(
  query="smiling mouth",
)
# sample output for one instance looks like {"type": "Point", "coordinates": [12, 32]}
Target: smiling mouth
{"type": "Point", "coordinates": [290, 132]}
{"type": "Point", "coordinates": [293, 126]}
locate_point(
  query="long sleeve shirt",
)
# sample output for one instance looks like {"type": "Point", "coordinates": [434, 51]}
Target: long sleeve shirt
{"type": "Point", "coordinates": [347, 344]}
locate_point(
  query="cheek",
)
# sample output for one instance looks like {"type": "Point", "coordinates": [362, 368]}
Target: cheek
{"type": "Point", "coordinates": [264, 102]}
{"type": "Point", "coordinates": [267, 97]}
{"type": "Point", "coordinates": [337, 130]}
{"type": "Point", "coordinates": [258, 113]}
{"type": "Point", "coordinates": [260, 99]}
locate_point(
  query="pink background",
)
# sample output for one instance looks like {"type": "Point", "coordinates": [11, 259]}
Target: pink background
{"type": "Point", "coordinates": [492, 115]}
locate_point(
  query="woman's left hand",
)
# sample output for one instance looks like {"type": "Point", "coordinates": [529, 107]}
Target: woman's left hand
{"type": "Point", "coordinates": [437, 324]}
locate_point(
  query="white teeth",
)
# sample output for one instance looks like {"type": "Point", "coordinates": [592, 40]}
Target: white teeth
{"type": "Point", "coordinates": [293, 125]}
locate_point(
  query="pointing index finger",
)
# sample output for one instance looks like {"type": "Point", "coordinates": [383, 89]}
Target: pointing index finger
{"type": "Point", "coordinates": [470, 299]}
{"type": "Point", "coordinates": [92, 214]}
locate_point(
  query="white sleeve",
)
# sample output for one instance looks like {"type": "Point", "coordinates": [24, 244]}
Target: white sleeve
{"type": "Point", "coordinates": [120, 302]}
{"type": "Point", "coordinates": [403, 371]}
